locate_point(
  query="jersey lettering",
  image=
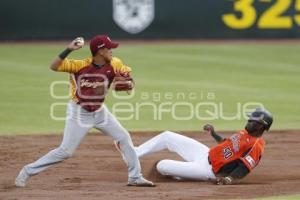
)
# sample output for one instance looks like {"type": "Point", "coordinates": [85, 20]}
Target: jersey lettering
{"type": "Point", "coordinates": [227, 153]}
{"type": "Point", "coordinates": [87, 83]}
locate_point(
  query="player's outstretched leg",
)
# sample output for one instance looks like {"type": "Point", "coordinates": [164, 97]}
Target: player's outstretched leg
{"type": "Point", "coordinates": [188, 148]}
{"type": "Point", "coordinates": [73, 134]}
{"type": "Point", "coordinates": [193, 152]}
{"type": "Point", "coordinates": [186, 170]}
{"type": "Point", "coordinates": [51, 158]}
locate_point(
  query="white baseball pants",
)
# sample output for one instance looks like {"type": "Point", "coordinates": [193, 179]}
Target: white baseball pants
{"type": "Point", "coordinates": [195, 155]}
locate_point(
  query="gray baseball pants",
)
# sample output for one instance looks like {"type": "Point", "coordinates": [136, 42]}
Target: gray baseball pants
{"type": "Point", "coordinates": [78, 123]}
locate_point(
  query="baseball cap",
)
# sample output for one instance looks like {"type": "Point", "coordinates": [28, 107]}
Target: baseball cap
{"type": "Point", "coordinates": [101, 41]}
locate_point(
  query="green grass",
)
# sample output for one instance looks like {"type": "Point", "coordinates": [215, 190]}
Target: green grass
{"type": "Point", "coordinates": [235, 74]}
{"type": "Point", "coordinates": [281, 198]}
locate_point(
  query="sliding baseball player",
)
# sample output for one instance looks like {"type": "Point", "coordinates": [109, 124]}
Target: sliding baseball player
{"type": "Point", "coordinates": [233, 158]}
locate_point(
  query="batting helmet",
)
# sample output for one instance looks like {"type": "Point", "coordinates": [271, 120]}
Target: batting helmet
{"type": "Point", "coordinates": [262, 116]}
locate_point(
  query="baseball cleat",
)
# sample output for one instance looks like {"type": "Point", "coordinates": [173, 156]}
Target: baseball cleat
{"type": "Point", "coordinates": [140, 182]}
{"type": "Point", "coordinates": [21, 178]}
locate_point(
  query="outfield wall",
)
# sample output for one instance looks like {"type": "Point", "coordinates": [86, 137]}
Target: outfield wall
{"type": "Point", "coordinates": [149, 19]}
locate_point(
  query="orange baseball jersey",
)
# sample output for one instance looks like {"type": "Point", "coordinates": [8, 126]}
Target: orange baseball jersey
{"type": "Point", "coordinates": [89, 83]}
{"type": "Point", "coordinates": [240, 146]}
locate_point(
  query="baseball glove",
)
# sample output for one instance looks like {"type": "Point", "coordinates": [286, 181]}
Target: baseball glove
{"type": "Point", "coordinates": [123, 82]}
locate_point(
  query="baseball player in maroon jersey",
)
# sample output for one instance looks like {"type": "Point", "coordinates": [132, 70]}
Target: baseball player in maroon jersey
{"type": "Point", "coordinates": [90, 80]}
{"type": "Point", "coordinates": [233, 158]}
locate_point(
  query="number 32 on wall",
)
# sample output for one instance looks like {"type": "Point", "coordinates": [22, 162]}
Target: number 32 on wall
{"type": "Point", "coordinates": [272, 18]}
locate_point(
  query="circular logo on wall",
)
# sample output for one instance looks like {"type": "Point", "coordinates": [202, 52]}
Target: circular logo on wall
{"type": "Point", "coordinates": [133, 16]}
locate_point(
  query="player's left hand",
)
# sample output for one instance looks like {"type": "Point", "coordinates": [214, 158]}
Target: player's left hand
{"type": "Point", "coordinates": [209, 128]}
{"type": "Point", "coordinates": [224, 180]}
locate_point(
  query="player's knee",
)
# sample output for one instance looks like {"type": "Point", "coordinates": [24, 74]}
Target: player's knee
{"type": "Point", "coordinates": [162, 167]}
{"type": "Point", "coordinates": [167, 135]}
{"type": "Point", "coordinates": [125, 139]}
{"type": "Point", "coordinates": [65, 153]}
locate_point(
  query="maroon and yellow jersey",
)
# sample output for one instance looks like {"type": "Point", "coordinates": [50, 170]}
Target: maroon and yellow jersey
{"type": "Point", "coordinates": [240, 146]}
{"type": "Point", "coordinates": [90, 83]}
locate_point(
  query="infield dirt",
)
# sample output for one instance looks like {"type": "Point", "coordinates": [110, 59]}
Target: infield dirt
{"type": "Point", "coordinates": [97, 171]}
